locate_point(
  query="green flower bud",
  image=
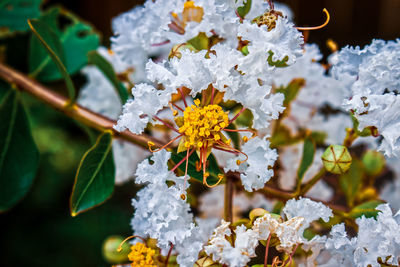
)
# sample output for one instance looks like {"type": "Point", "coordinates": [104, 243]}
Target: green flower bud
{"type": "Point", "coordinates": [336, 159]}
{"type": "Point", "coordinates": [374, 162]}
{"type": "Point", "coordinates": [110, 253]}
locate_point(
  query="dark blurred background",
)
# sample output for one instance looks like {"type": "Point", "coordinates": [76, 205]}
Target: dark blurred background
{"type": "Point", "coordinates": [40, 232]}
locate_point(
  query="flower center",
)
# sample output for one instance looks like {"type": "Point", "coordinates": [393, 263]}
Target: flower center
{"type": "Point", "coordinates": [202, 125]}
{"type": "Point", "coordinates": [269, 18]}
{"type": "Point", "coordinates": [141, 255]}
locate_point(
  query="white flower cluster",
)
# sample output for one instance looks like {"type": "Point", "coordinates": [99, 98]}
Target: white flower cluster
{"type": "Point", "coordinates": [160, 212]}
{"type": "Point", "coordinates": [372, 75]}
{"type": "Point", "coordinates": [300, 213]}
{"type": "Point", "coordinates": [376, 239]}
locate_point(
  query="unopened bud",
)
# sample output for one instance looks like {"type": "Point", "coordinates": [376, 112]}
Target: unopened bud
{"type": "Point", "coordinates": [110, 250]}
{"type": "Point", "coordinates": [205, 262]}
{"type": "Point", "coordinates": [255, 213]}
{"type": "Point", "coordinates": [374, 162]}
{"type": "Point", "coordinates": [177, 49]}
{"type": "Point", "coordinates": [336, 159]}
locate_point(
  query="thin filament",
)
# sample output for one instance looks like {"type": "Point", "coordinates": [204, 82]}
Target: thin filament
{"type": "Point", "coordinates": [266, 251]}
{"type": "Point", "coordinates": [119, 249]}
{"type": "Point", "coordinates": [183, 160]}
{"type": "Point", "coordinates": [233, 149]}
{"type": "Point", "coordinates": [166, 124]}
{"type": "Point", "coordinates": [212, 95]}
{"type": "Point", "coordinates": [328, 18]}
{"type": "Point", "coordinates": [237, 115]}
{"type": "Point", "coordinates": [166, 145]}
{"type": "Point", "coordinates": [182, 96]}
{"type": "Point", "coordinates": [220, 177]}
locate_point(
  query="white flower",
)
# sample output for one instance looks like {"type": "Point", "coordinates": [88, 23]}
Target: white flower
{"type": "Point", "coordinates": [255, 171]}
{"type": "Point", "coordinates": [161, 214]}
{"type": "Point", "coordinates": [372, 74]}
{"type": "Point", "coordinates": [147, 101]}
{"type": "Point", "coordinates": [308, 209]}
{"type": "Point", "coordinates": [283, 41]}
{"type": "Point", "coordinates": [377, 238]}
{"type": "Point", "coordinates": [235, 256]}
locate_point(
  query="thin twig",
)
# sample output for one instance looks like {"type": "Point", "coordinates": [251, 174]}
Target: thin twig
{"type": "Point", "coordinates": [76, 112]}
{"type": "Point", "coordinates": [228, 198]}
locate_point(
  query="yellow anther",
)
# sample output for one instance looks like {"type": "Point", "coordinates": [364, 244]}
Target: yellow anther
{"type": "Point", "coordinates": [220, 176]}
{"type": "Point", "coordinates": [188, 4]}
{"type": "Point", "coordinates": [222, 124]}
{"type": "Point", "coordinates": [187, 144]}
{"type": "Point", "coordinates": [238, 162]}
{"type": "Point", "coordinates": [183, 197]}
{"type": "Point", "coordinates": [150, 144]}
{"type": "Point", "coordinates": [141, 255]}
{"type": "Point", "coordinates": [206, 174]}
{"type": "Point", "coordinates": [175, 112]}
{"type": "Point", "coordinates": [199, 122]}
{"type": "Point", "coordinates": [173, 14]}
{"type": "Point", "coordinates": [245, 139]}
{"type": "Point", "coordinates": [228, 142]}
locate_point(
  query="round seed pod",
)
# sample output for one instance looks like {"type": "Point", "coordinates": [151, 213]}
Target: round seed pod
{"type": "Point", "coordinates": [336, 159]}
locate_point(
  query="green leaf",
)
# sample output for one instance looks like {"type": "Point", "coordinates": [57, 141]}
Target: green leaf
{"type": "Point", "coordinates": [200, 42]}
{"type": "Point", "coordinates": [107, 69]}
{"type": "Point", "coordinates": [367, 209]}
{"type": "Point", "coordinates": [76, 39]}
{"type": "Point", "coordinates": [278, 63]}
{"type": "Point", "coordinates": [244, 10]}
{"type": "Point", "coordinates": [50, 42]}
{"type": "Point", "coordinates": [350, 182]}
{"type": "Point", "coordinates": [94, 182]}
{"type": "Point", "coordinates": [307, 159]}
{"type": "Point", "coordinates": [213, 168]}
{"type": "Point", "coordinates": [290, 92]}
{"type": "Point", "coordinates": [15, 13]}
{"type": "Point", "coordinates": [19, 156]}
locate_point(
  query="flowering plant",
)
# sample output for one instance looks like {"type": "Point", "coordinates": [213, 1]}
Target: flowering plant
{"type": "Point", "coordinates": [246, 148]}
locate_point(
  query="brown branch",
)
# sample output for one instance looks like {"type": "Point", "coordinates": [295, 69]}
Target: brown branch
{"type": "Point", "coordinates": [76, 112]}
{"type": "Point", "coordinates": [228, 197]}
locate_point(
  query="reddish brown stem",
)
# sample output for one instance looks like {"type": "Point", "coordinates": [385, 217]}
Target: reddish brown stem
{"type": "Point", "coordinates": [237, 115]}
{"type": "Point", "coordinates": [166, 124]}
{"type": "Point", "coordinates": [169, 254]}
{"type": "Point", "coordinates": [266, 251]}
{"type": "Point", "coordinates": [76, 112]}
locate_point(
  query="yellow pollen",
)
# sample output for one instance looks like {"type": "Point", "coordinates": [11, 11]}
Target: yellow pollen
{"type": "Point", "coordinates": [202, 125]}
{"type": "Point", "coordinates": [228, 142]}
{"type": "Point", "coordinates": [188, 4]}
{"type": "Point", "coordinates": [141, 255]}
{"type": "Point", "coordinates": [245, 139]}
{"type": "Point", "coordinates": [238, 162]}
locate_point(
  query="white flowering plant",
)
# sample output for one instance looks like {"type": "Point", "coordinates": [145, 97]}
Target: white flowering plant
{"type": "Point", "coordinates": [247, 149]}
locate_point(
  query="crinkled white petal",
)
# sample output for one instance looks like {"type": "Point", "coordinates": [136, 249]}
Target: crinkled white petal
{"type": "Point", "coordinates": [137, 113]}
{"type": "Point", "coordinates": [255, 172]}
{"type": "Point", "coordinates": [238, 255]}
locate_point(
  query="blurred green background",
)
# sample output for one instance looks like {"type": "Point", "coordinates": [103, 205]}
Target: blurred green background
{"type": "Point", "coordinates": [39, 231]}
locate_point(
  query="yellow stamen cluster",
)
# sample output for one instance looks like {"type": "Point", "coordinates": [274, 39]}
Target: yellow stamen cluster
{"type": "Point", "coordinates": [202, 125]}
{"type": "Point", "coordinates": [141, 255]}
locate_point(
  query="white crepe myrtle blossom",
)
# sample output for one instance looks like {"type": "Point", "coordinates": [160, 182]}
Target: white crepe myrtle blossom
{"type": "Point", "coordinates": [235, 256]}
{"type": "Point", "coordinates": [377, 238]}
{"type": "Point", "coordinates": [299, 213]}
{"type": "Point", "coordinates": [372, 74]}
{"type": "Point", "coordinates": [255, 172]}
{"type": "Point", "coordinates": [100, 96]}
{"type": "Point", "coordinates": [162, 214]}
